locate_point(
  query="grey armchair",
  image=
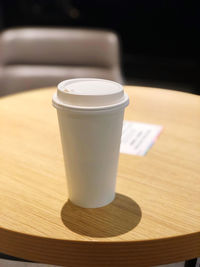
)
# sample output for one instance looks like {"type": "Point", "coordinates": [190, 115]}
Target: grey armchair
{"type": "Point", "coordinates": [41, 57]}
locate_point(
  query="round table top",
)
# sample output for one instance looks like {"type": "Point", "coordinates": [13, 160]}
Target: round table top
{"type": "Point", "coordinates": [155, 217]}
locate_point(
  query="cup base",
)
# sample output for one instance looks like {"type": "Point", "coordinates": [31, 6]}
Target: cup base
{"type": "Point", "coordinates": [100, 204]}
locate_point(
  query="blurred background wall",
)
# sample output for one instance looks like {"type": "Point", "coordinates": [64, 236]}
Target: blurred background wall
{"type": "Point", "coordinates": [159, 39]}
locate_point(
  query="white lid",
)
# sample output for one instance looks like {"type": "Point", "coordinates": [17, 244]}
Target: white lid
{"type": "Point", "coordinates": [89, 94]}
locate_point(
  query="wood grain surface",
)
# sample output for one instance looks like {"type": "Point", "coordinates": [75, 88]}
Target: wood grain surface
{"type": "Point", "coordinates": [155, 217]}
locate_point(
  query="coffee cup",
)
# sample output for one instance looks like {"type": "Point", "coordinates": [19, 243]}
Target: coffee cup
{"type": "Point", "coordinates": [90, 115]}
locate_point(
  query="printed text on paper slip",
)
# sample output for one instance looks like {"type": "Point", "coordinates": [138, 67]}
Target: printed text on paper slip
{"type": "Point", "coordinates": [137, 138]}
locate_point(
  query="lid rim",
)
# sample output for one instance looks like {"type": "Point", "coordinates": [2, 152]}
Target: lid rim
{"type": "Point", "coordinates": [64, 106]}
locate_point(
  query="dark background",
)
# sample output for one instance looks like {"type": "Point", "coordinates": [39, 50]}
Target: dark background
{"type": "Point", "coordinates": [159, 39]}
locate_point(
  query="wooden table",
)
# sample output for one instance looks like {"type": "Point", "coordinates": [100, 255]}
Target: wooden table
{"type": "Point", "coordinates": [155, 218]}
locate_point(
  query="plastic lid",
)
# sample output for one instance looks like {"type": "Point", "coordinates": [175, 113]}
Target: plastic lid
{"type": "Point", "coordinates": [89, 94]}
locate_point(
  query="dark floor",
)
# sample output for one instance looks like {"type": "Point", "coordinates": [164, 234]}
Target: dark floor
{"type": "Point", "coordinates": [8, 263]}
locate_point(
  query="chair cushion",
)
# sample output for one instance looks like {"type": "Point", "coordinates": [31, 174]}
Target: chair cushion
{"type": "Point", "coordinates": [59, 46]}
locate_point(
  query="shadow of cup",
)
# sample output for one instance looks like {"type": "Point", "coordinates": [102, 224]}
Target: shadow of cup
{"type": "Point", "coordinates": [119, 217]}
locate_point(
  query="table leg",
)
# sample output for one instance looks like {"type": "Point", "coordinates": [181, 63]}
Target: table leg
{"type": "Point", "coordinates": [190, 263]}
{"type": "Point", "coordinates": [8, 257]}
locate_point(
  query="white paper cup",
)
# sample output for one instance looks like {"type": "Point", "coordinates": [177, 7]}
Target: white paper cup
{"type": "Point", "coordinates": [90, 114]}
